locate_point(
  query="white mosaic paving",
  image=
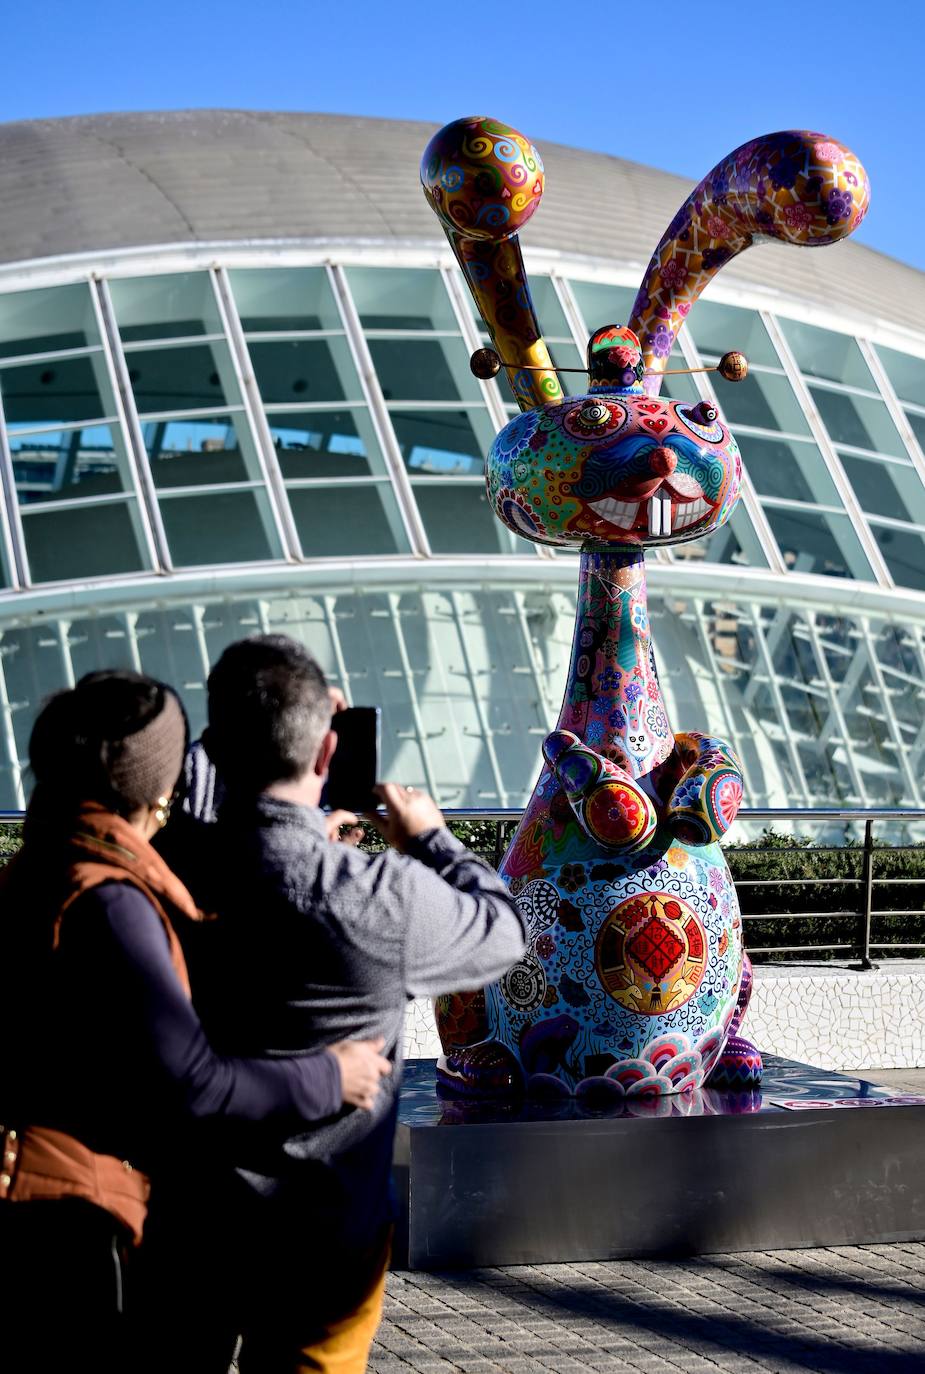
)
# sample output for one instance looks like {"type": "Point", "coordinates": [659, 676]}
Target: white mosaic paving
{"type": "Point", "coordinates": [835, 1018]}
{"type": "Point", "coordinates": [841, 1018]}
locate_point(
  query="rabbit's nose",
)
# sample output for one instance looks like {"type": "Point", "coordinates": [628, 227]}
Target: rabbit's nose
{"type": "Point", "coordinates": [663, 461]}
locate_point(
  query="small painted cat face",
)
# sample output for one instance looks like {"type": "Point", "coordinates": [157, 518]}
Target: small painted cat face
{"type": "Point", "coordinates": [614, 467]}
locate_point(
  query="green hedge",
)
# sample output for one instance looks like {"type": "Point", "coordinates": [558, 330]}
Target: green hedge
{"type": "Point", "coordinates": [782, 860]}
{"type": "Point", "coordinates": [785, 860]}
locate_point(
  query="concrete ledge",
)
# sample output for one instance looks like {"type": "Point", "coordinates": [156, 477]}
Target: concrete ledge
{"type": "Point", "coordinates": [824, 1014]}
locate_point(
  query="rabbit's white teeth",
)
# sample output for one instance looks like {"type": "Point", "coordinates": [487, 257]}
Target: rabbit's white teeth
{"type": "Point", "coordinates": [689, 514]}
{"type": "Point", "coordinates": [619, 513]}
{"type": "Point", "coordinates": [659, 512]}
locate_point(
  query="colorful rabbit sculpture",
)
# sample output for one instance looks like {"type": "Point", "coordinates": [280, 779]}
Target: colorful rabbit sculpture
{"type": "Point", "coordinates": [635, 979]}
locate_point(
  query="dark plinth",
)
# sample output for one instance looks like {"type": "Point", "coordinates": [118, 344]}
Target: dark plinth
{"type": "Point", "coordinates": [816, 1158]}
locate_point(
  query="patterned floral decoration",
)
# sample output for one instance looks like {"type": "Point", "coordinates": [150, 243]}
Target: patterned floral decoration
{"type": "Point", "coordinates": [795, 186]}
{"type": "Point", "coordinates": [635, 976]}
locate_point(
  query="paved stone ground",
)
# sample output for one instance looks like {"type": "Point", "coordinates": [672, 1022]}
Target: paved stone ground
{"type": "Point", "coordinates": [843, 1310]}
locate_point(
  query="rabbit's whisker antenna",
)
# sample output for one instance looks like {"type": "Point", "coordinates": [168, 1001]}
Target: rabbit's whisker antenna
{"type": "Point", "coordinates": [485, 363]}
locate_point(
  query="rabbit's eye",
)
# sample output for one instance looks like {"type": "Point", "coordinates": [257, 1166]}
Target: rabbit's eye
{"type": "Point", "coordinates": [594, 413]}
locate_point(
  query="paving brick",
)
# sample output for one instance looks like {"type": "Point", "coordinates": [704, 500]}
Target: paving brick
{"type": "Point", "coordinates": [852, 1308]}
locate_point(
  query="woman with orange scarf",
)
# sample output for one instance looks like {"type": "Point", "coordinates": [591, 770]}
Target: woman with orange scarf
{"type": "Point", "coordinates": [105, 1069]}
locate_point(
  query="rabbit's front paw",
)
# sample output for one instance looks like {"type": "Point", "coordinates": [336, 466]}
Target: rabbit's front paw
{"type": "Point", "coordinates": [610, 806]}
{"type": "Point", "coordinates": [707, 796]}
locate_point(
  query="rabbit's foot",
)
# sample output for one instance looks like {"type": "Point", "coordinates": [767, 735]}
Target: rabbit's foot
{"type": "Point", "coordinates": [738, 1068]}
{"type": "Point", "coordinates": [488, 1069]}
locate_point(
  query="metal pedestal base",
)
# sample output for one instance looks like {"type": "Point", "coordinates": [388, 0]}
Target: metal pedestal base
{"type": "Point", "coordinates": [815, 1158]}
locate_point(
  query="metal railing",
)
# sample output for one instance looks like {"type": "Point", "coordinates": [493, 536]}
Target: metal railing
{"type": "Point", "coordinates": [868, 847]}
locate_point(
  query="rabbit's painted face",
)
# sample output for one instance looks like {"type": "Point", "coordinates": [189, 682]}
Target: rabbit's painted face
{"type": "Point", "coordinates": [614, 467]}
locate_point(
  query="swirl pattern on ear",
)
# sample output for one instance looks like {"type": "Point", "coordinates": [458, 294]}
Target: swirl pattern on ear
{"type": "Point", "coordinates": [483, 181]}
{"type": "Point", "coordinates": [797, 187]}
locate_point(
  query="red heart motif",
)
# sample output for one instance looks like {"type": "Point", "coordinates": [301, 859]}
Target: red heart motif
{"type": "Point", "coordinates": [649, 407]}
{"type": "Point", "coordinates": [656, 426]}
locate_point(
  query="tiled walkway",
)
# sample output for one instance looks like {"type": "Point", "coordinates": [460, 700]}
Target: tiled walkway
{"type": "Point", "coordinates": [855, 1309]}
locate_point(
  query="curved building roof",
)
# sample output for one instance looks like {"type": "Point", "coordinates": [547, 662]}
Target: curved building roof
{"type": "Point", "coordinates": [98, 182]}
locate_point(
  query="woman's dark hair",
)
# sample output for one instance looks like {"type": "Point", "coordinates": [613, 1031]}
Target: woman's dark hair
{"type": "Point", "coordinates": [86, 743]}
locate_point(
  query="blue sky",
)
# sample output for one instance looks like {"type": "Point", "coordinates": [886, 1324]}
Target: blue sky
{"type": "Point", "coordinates": [676, 85]}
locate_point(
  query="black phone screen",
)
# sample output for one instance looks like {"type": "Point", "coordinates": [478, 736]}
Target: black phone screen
{"type": "Point", "coordinates": [354, 769]}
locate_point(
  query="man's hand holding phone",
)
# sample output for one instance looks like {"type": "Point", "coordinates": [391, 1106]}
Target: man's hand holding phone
{"type": "Point", "coordinates": [408, 814]}
{"type": "Point", "coordinates": [344, 827]}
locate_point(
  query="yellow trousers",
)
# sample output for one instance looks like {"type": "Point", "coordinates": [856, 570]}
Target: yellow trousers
{"type": "Point", "coordinates": [335, 1347]}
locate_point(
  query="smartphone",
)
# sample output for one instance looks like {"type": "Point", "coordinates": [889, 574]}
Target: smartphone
{"type": "Point", "coordinates": [354, 769]}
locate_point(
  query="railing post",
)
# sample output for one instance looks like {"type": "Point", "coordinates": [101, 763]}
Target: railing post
{"type": "Point", "coordinates": [867, 888]}
{"type": "Point", "coordinates": [499, 850]}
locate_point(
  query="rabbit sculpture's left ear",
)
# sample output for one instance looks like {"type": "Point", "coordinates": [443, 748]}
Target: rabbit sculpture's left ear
{"type": "Point", "coordinates": [483, 181]}
{"type": "Point", "coordinates": [795, 186]}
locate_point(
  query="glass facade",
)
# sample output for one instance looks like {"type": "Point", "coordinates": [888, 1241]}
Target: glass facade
{"type": "Point", "coordinates": [195, 454]}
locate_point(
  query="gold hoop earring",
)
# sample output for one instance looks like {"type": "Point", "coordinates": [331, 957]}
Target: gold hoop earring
{"type": "Point", "coordinates": [162, 811]}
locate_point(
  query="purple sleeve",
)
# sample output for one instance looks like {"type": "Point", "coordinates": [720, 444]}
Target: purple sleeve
{"type": "Point", "coordinates": [120, 922]}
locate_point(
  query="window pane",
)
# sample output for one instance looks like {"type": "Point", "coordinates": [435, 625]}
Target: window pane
{"type": "Point", "coordinates": [820, 353]}
{"type": "Point", "coordinates": [401, 298]}
{"type": "Point", "coordinates": [305, 370]}
{"type": "Point", "coordinates": [227, 527]}
{"type": "Point", "coordinates": [679, 388]}
{"type": "Point", "coordinates": [336, 522]}
{"type": "Point", "coordinates": [600, 304]}
{"type": "Point", "coordinates": [719, 329]}
{"type": "Point", "coordinates": [44, 321]}
{"type": "Point", "coordinates": [887, 489]}
{"type": "Point", "coordinates": [858, 421]}
{"type": "Point", "coordinates": [424, 370]}
{"type": "Point", "coordinates": [762, 400]}
{"type": "Point", "coordinates": [196, 377]}
{"type": "Point", "coordinates": [918, 427]}
{"type": "Point", "coordinates": [445, 442]}
{"type": "Point", "coordinates": [168, 307]}
{"type": "Point", "coordinates": [59, 392]}
{"type": "Point", "coordinates": [284, 298]}
{"type": "Point", "coordinates": [811, 542]}
{"type": "Point", "coordinates": [906, 373]}
{"type": "Point", "coordinates": [788, 469]}
{"type": "Point", "coordinates": [186, 453]}
{"type": "Point", "coordinates": [458, 519]}
{"type": "Point", "coordinates": [65, 545]}
{"type": "Point", "coordinates": [66, 463]}
{"type": "Point", "coordinates": [567, 355]}
{"type": "Point", "coordinates": [736, 542]}
{"type": "Point", "coordinates": [326, 443]}
{"type": "Point", "coordinates": [904, 554]}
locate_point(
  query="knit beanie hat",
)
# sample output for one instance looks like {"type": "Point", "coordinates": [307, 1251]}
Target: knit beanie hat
{"type": "Point", "coordinates": [118, 738]}
{"type": "Point", "coordinates": [144, 766]}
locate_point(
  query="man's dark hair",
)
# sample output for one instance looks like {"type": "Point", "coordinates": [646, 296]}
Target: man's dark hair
{"type": "Point", "coordinates": [269, 711]}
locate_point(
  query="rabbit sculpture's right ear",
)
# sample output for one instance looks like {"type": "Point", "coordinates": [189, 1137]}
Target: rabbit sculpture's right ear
{"type": "Point", "coordinates": [484, 181]}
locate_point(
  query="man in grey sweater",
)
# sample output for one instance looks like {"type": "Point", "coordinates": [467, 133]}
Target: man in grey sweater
{"type": "Point", "coordinates": [317, 941]}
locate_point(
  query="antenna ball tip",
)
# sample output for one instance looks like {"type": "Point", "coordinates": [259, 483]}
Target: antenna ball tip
{"type": "Point", "coordinates": [484, 364]}
{"type": "Point", "coordinates": [733, 366]}
{"type": "Point", "coordinates": [482, 178]}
